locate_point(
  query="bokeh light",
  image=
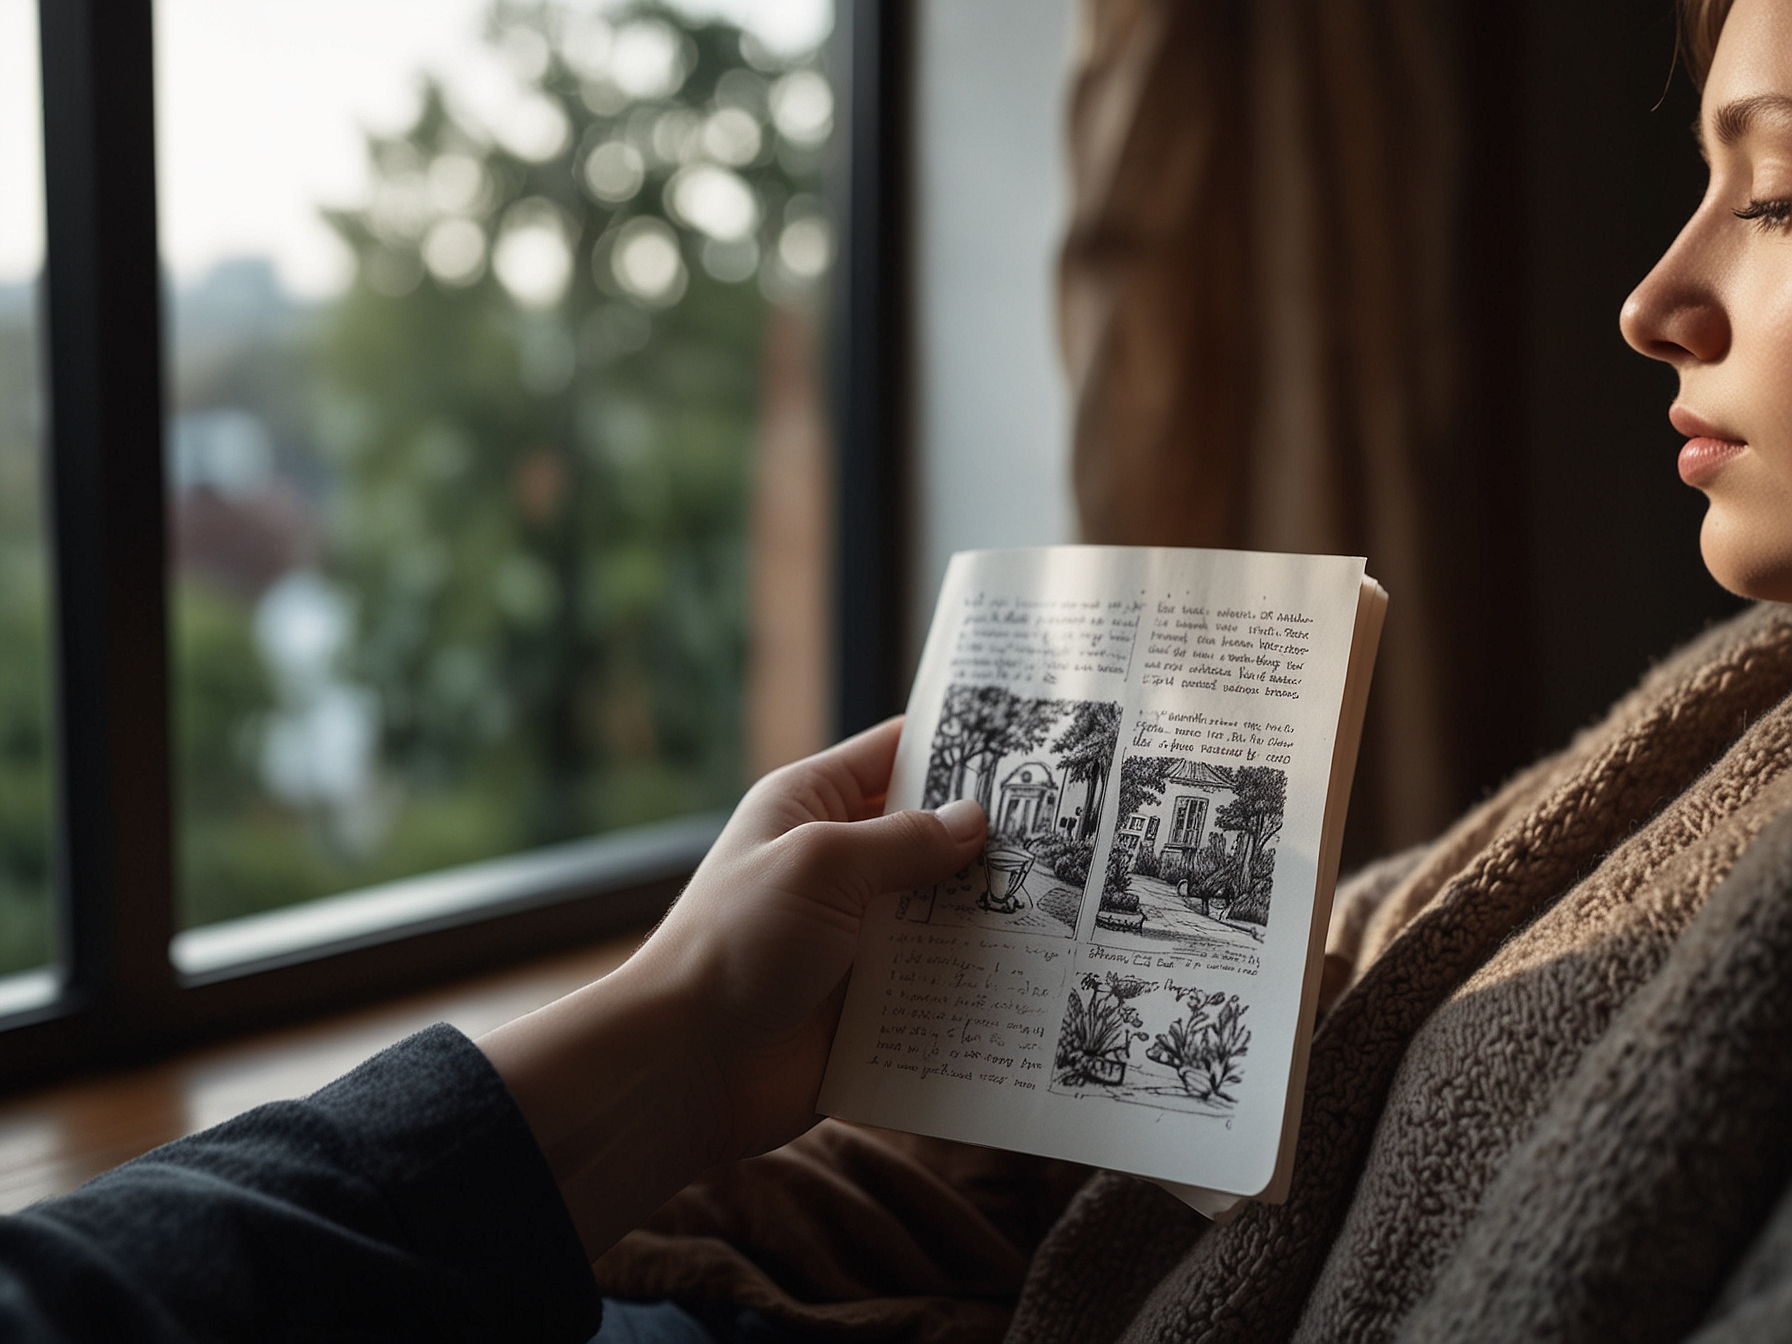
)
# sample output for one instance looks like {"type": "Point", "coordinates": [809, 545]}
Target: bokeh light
{"type": "Point", "coordinates": [532, 258]}
{"type": "Point", "coordinates": [803, 107]}
{"type": "Point", "coordinates": [646, 261]}
{"type": "Point", "coordinates": [455, 252]}
{"type": "Point", "coordinates": [714, 201]}
{"type": "Point", "coordinates": [614, 171]}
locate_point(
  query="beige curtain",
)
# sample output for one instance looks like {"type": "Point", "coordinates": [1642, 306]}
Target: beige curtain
{"type": "Point", "coordinates": [1260, 322]}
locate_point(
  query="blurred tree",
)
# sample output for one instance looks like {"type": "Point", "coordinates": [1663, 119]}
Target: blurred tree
{"type": "Point", "coordinates": [541, 395]}
{"type": "Point", "coordinates": [25, 754]}
{"type": "Point", "coordinates": [521, 446]}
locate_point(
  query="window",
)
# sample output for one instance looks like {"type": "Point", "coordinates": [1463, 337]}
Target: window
{"type": "Point", "coordinates": [469, 349]}
{"type": "Point", "coordinates": [495, 475]}
{"type": "Point", "coordinates": [26, 834]}
{"type": "Point", "coordinates": [1185, 826]}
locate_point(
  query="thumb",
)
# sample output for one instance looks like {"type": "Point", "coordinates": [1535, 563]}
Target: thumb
{"type": "Point", "coordinates": [904, 849]}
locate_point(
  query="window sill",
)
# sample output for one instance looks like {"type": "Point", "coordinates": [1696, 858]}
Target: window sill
{"type": "Point", "coordinates": [54, 1139]}
{"type": "Point", "coordinates": [433, 901]}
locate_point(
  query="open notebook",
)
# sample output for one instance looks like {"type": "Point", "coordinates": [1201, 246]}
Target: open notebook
{"type": "Point", "coordinates": [1163, 742]}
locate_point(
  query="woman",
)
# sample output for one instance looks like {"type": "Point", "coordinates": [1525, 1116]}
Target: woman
{"type": "Point", "coordinates": [1551, 1103]}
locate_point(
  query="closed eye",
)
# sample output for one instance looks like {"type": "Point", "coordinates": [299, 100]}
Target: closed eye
{"type": "Point", "coordinates": [1772, 215]}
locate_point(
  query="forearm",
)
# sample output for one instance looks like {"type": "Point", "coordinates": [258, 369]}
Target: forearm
{"type": "Point", "coordinates": [406, 1201]}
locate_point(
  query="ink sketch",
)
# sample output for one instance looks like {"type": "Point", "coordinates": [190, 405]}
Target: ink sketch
{"type": "Point", "coordinates": [1039, 767]}
{"type": "Point", "coordinates": [1152, 1043]}
{"type": "Point", "coordinates": [1191, 869]}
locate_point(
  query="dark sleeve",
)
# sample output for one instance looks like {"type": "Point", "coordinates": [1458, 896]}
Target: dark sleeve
{"type": "Point", "coordinates": [405, 1201]}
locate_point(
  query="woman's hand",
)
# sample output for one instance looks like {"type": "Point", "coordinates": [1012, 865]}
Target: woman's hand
{"type": "Point", "coordinates": [709, 1043]}
{"type": "Point", "coordinates": [765, 934]}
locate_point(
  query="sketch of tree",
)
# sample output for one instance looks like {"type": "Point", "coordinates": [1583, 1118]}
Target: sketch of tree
{"type": "Point", "coordinates": [965, 719]}
{"type": "Point", "coordinates": [1142, 780]}
{"type": "Point", "coordinates": [978, 726]}
{"type": "Point", "coordinates": [1088, 755]}
{"type": "Point", "coordinates": [1253, 905]}
{"type": "Point", "coordinates": [1255, 812]}
{"type": "Point", "coordinates": [950, 749]}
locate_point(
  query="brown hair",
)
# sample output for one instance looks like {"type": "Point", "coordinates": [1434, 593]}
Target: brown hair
{"type": "Point", "coordinates": [1700, 23]}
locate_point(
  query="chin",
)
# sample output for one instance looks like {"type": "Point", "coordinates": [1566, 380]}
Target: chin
{"type": "Point", "coordinates": [1752, 557]}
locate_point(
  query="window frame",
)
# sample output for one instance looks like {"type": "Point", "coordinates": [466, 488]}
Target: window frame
{"type": "Point", "coordinates": [122, 999]}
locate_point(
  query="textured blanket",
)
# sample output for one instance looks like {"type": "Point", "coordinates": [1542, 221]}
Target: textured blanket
{"type": "Point", "coordinates": [1551, 1102]}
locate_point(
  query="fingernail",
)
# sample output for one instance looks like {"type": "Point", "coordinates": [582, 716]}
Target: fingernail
{"type": "Point", "coordinates": [962, 819]}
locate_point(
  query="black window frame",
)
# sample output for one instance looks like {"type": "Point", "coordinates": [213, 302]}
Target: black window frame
{"type": "Point", "coordinates": [101, 334]}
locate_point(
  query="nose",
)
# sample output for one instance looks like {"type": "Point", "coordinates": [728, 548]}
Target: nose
{"type": "Point", "coordinates": [1676, 314]}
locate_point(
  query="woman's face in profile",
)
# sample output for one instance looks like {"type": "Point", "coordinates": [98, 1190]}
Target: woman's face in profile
{"type": "Point", "coordinates": [1718, 307]}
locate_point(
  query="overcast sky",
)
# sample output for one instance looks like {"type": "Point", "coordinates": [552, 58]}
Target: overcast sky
{"type": "Point", "coordinates": [260, 109]}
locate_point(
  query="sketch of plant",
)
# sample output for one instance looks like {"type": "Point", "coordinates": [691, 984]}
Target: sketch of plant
{"type": "Point", "coordinates": [1253, 905]}
{"type": "Point", "coordinates": [1205, 1049]}
{"type": "Point", "coordinates": [1095, 1040]}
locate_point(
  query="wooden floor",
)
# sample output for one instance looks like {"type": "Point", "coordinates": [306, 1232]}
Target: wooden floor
{"type": "Point", "coordinates": [51, 1141]}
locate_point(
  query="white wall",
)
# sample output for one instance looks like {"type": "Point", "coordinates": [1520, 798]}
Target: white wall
{"type": "Point", "coordinates": [992, 456]}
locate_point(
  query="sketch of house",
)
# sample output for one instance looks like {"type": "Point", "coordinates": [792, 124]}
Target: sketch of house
{"type": "Point", "coordinates": [1027, 801]}
{"type": "Point", "coordinates": [1193, 793]}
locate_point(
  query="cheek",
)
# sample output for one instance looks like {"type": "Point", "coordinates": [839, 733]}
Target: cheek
{"type": "Point", "coordinates": [1747, 535]}
{"type": "Point", "coordinates": [1764, 349]}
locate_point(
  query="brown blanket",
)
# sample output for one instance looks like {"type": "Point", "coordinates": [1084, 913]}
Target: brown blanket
{"type": "Point", "coordinates": [1552, 1103]}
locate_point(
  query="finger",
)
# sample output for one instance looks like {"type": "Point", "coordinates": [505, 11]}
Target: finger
{"type": "Point", "coordinates": [861, 765]}
{"type": "Point", "coordinates": [898, 852]}
{"type": "Point", "coordinates": [846, 782]}
{"type": "Point", "coordinates": [868, 757]}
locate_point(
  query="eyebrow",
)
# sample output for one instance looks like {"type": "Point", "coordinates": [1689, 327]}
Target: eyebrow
{"type": "Point", "coordinates": [1733, 120]}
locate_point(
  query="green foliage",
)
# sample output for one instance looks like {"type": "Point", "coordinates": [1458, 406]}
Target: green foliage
{"type": "Point", "coordinates": [26, 780]}
{"type": "Point", "coordinates": [553, 560]}
{"type": "Point", "coordinates": [536, 511]}
{"type": "Point", "coordinates": [535, 501]}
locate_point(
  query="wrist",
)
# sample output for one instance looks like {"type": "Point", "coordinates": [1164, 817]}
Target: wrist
{"type": "Point", "coordinates": [617, 1096]}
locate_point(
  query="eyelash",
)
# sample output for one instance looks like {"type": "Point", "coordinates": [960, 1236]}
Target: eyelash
{"type": "Point", "coordinates": [1771, 215]}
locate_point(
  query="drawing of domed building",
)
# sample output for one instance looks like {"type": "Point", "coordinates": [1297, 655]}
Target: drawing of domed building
{"type": "Point", "coordinates": [1027, 801]}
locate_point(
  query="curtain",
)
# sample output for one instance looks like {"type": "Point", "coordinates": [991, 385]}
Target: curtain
{"type": "Point", "coordinates": [1263, 320]}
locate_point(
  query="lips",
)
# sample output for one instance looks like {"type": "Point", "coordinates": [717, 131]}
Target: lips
{"type": "Point", "coordinates": [1707, 449]}
{"type": "Point", "coordinates": [1702, 458]}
